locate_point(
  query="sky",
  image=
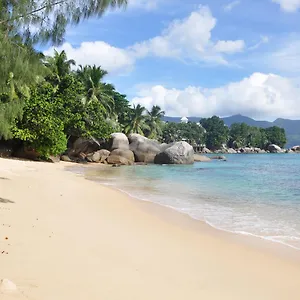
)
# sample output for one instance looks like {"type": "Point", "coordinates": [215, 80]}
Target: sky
{"type": "Point", "coordinates": [198, 58]}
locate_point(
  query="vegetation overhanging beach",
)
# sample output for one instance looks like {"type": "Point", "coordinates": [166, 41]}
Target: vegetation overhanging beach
{"type": "Point", "coordinates": [64, 237]}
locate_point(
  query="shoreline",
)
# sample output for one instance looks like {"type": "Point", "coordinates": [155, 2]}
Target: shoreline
{"type": "Point", "coordinates": [245, 235]}
{"type": "Point", "coordinates": [248, 239]}
{"type": "Point", "coordinates": [71, 238]}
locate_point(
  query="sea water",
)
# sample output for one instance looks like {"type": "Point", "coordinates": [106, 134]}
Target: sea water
{"type": "Point", "coordinates": [247, 194]}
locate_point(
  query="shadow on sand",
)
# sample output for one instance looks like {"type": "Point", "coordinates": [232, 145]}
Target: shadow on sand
{"type": "Point", "coordinates": [2, 200]}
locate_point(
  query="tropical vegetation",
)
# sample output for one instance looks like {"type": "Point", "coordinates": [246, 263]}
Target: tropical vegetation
{"type": "Point", "coordinates": [47, 101]}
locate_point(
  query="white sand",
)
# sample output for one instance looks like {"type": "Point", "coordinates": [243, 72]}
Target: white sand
{"type": "Point", "coordinates": [72, 239]}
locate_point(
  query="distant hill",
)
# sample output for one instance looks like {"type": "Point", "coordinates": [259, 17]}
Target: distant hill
{"type": "Point", "coordinates": [292, 127]}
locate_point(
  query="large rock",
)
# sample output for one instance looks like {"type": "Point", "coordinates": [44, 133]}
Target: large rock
{"type": "Point", "coordinates": [296, 148]}
{"type": "Point", "coordinates": [128, 154]}
{"type": "Point", "coordinates": [98, 156]}
{"type": "Point", "coordinates": [201, 158]}
{"type": "Point", "coordinates": [119, 141]}
{"type": "Point", "coordinates": [84, 145]}
{"type": "Point", "coordinates": [231, 151]}
{"type": "Point", "coordinates": [274, 148]}
{"type": "Point", "coordinates": [118, 160]}
{"type": "Point", "coordinates": [179, 153]}
{"type": "Point", "coordinates": [260, 151]}
{"type": "Point", "coordinates": [143, 148]}
{"type": "Point", "coordinates": [247, 150]}
{"type": "Point", "coordinates": [206, 150]}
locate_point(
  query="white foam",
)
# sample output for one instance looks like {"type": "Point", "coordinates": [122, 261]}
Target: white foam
{"type": "Point", "coordinates": [247, 219]}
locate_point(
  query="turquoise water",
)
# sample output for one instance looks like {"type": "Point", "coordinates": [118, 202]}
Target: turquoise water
{"type": "Point", "coordinates": [248, 194]}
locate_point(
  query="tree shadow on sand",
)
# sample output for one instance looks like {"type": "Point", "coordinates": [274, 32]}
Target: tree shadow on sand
{"type": "Point", "coordinates": [2, 200]}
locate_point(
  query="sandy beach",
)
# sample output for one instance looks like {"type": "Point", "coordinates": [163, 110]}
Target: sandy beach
{"type": "Point", "coordinates": [64, 237]}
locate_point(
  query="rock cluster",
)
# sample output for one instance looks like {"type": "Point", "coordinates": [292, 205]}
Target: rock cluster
{"type": "Point", "coordinates": [134, 149]}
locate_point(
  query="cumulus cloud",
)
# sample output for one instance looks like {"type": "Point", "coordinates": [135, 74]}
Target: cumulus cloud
{"type": "Point", "coordinates": [189, 38]}
{"type": "Point", "coordinates": [185, 39]}
{"type": "Point", "coordinates": [229, 46]}
{"type": "Point", "coordinates": [260, 96]}
{"type": "Point", "coordinates": [288, 5]}
{"type": "Point", "coordinates": [230, 6]}
{"type": "Point", "coordinates": [99, 53]}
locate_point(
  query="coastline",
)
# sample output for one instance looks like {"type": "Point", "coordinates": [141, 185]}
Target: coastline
{"type": "Point", "coordinates": [164, 211]}
{"type": "Point", "coordinates": [72, 238]}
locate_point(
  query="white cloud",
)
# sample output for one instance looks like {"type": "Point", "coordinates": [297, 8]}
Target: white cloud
{"type": "Point", "coordinates": [260, 95]}
{"type": "Point", "coordinates": [288, 5]}
{"type": "Point", "coordinates": [229, 46]}
{"type": "Point", "coordinates": [189, 38]}
{"type": "Point", "coordinates": [230, 6]}
{"type": "Point", "coordinates": [286, 58]}
{"type": "Point", "coordinates": [110, 58]}
{"type": "Point", "coordinates": [263, 40]}
{"type": "Point", "coordinates": [185, 39]}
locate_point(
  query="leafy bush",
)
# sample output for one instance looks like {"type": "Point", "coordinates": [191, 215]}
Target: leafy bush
{"type": "Point", "coordinates": [40, 128]}
{"type": "Point", "coordinates": [191, 132]}
{"type": "Point", "coordinates": [216, 132]}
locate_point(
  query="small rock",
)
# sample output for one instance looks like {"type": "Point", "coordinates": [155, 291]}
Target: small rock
{"type": "Point", "coordinates": [66, 158]}
{"type": "Point", "coordinates": [220, 157]}
{"type": "Point", "coordinates": [115, 166]}
{"type": "Point", "coordinates": [54, 159]}
{"type": "Point", "coordinates": [201, 158]}
{"type": "Point", "coordinates": [118, 160]}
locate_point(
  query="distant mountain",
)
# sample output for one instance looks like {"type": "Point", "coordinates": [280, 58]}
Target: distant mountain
{"type": "Point", "coordinates": [292, 127]}
{"type": "Point", "coordinates": [242, 119]}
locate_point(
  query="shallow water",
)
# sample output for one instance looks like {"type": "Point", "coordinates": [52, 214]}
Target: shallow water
{"type": "Point", "coordinates": [248, 194]}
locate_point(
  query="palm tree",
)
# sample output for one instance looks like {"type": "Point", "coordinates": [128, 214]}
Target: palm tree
{"type": "Point", "coordinates": [59, 65]}
{"type": "Point", "coordinates": [154, 121]}
{"type": "Point", "coordinates": [137, 123]}
{"type": "Point", "coordinates": [96, 90]}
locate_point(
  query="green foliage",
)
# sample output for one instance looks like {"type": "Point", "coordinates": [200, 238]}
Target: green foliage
{"type": "Point", "coordinates": [242, 135]}
{"type": "Point", "coordinates": [69, 107]}
{"type": "Point", "coordinates": [122, 109]}
{"type": "Point", "coordinates": [40, 128]}
{"type": "Point", "coordinates": [95, 122]}
{"type": "Point", "coordinates": [216, 132]}
{"type": "Point", "coordinates": [59, 66]}
{"type": "Point", "coordinates": [191, 132]}
{"type": "Point", "coordinates": [20, 63]}
{"type": "Point", "coordinates": [46, 20]}
{"type": "Point", "coordinates": [96, 90]}
{"type": "Point", "coordinates": [10, 112]}
{"type": "Point", "coordinates": [54, 112]}
{"type": "Point", "coordinates": [23, 24]}
{"type": "Point", "coordinates": [137, 120]}
{"type": "Point", "coordinates": [276, 135]}
{"type": "Point", "coordinates": [154, 122]}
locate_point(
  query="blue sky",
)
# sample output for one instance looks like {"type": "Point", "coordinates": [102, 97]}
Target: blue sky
{"type": "Point", "coordinates": [199, 57]}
